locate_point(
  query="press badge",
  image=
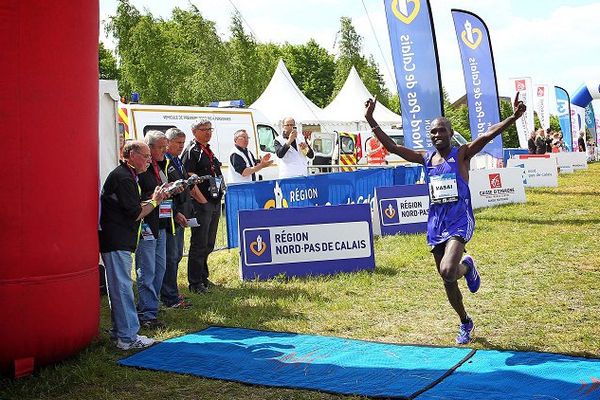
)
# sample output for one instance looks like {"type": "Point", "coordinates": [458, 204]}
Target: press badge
{"type": "Point", "coordinates": [147, 232]}
{"type": "Point", "coordinates": [165, 209]}
{"type": "Point", "coordinates": [443, 188]}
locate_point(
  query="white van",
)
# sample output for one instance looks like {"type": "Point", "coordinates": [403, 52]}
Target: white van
{"type": "Point", "coordinates": [135, 120]}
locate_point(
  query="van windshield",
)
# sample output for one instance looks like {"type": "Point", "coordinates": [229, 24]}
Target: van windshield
{"type": "Point", "coordinates": [266, 138]}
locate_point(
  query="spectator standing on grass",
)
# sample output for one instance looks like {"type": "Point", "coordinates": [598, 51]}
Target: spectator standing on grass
{"type": "Point", "coordinates": [531, 147]}
{"type": "Point", "coordinates": [540, 142]}
{"type": "Point", "coordinates": [150, 256]}
{"type": "Point", "coordinates": [121, 212]}
{"type": "Point", "coordinates": [376, 153]}
{"type": "Point", "coordinates": [182, 210]}
{"type": "Point", "coordinates": [292, 150]}
{"type": "Point", "coordinates": [548, 141]}
{"type": "Point", "coordinates": [450, 223]}
{"type": "Point", "coordinates": [198, 158]}
{"type": "Point", "coordinates": [243, 166]}
{"type": "Point", "coordinates": [581, 142]}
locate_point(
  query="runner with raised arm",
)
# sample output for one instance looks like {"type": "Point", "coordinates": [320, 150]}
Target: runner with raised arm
{"type": "Point", "coordinates": [450, 223]}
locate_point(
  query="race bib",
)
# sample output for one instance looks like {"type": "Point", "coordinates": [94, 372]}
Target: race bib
{"type": "Point", "coordinates": [165, 209]}
{"type": "Point", "coordinates": [443, 188]}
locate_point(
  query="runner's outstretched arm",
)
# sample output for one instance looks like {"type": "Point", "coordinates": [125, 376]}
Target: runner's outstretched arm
{"type": "Point", "coordinates": [478, 144]}
{"type": "Point", "coordinates": [386, 141]}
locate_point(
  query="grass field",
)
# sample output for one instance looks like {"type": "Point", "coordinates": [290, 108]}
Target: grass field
{"type": "Point", "coordinates": [540, 291]}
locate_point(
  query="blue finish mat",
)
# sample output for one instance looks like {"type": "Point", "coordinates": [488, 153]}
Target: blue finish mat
{"type": "Point", "coordinates": [501, 375]}
{"type": "Point", "coordinates": [322, 363]}
{"type": "Point", "coordinates": [346, 366]}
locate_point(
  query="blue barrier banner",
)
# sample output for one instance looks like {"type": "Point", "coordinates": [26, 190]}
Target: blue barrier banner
{"type": "Point", "coordinates": [408, 175]}
{"type": "Point", "coordinates": [416, 68]}
{"type": "Point", "coordinates": [307, 241]}
{"type": "Point", "coordinates": [318, 190]}
{"type": "Point", "coordinates": [510, 152]}
{"type": "Point", "coordinates": [590, 121]}
{"type": "Point", "coordinates": [563, 108]}
{"type": "Point", "coordinates": [480, 76]}
{"type": "Point", "coordinates": [402, 209]}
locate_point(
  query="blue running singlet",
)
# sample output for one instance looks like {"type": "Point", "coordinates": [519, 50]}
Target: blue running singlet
{"type": "Point", "coordinates": [450, 210]}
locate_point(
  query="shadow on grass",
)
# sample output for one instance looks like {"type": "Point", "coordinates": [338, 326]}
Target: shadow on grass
{"type": "Point", "coordinates": [247, 305]}
{"type": "Point", "coordinates": [517, 359]}
{"type": "Point", "coordinates": [565, 192]}
{"type": "Point", "coordinates": [535, 221]}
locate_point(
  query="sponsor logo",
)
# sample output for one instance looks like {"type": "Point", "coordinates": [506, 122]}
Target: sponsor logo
{"type": "Point", "coordinates": [520, 85]}
{"type": "Point", "coordinates": [278, 201]}
{"type": "Point", "coordinates": [390, 212]}
{"type": "Point", "coordinates": [258, 246]}
{"type": "Point", "coordinates": [400, 10]}
{"type": "Point", "coordinates": [495, 181]}
{"type": "Point", "coordinates": [468, 36]}
{"type": "Point", "coordinates": [540, 91]}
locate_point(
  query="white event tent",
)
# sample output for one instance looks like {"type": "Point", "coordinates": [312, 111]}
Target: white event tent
{"type": "Point", "coordinates": [349, 107]}
{"type": "Point", "coordinates": [282, 98]}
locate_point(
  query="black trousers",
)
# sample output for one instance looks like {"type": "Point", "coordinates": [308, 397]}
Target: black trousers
{"type": "Point", "coordinates": [202, 242]}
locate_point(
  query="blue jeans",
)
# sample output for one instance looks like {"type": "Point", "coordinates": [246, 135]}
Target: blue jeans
{"type": "Point", "coordinates": [169, 293]}
{"type": "Point", "coordinates": [125, 324]}
{"type": "Point", "coordinates": [150, 264]}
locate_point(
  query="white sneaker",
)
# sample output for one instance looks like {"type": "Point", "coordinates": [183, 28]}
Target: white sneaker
{"type": "Point", "coordinates": [140, 342]}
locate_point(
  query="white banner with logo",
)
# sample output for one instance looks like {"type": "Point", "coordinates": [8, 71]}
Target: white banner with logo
{"type": "Point", "coordinates": [568, 162]}
{"type": "Point", "coordinates": [493, 187]}
{"type": "Point", "coordinates": [542, 104]}
{"type": "Point", "coordinates": [539, 172]}
{"type": "Point", "coordinates": [525, 123]}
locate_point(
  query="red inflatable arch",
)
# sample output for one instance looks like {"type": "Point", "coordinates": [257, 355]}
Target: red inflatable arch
{"type": "Point", "coordinates": [49, 302]}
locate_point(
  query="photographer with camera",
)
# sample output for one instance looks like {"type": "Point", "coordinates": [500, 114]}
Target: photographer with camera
{"type": "Point", "coordinates": [292, 150]}
{"type": "Point", "coordinates": [122, 209]}
{"type": "Point", "coordinates": [150, 257]}
{"type": "Point", "coordinates": [199, 159]}
{"type": "Point", "coordinates": [182, 210]}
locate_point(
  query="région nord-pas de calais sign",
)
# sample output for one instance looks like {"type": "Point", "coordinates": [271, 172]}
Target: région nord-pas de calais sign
{"type": "Point", "coordinates": [306, 241]}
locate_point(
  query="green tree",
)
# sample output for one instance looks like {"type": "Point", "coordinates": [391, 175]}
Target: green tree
{"type": "Point", "coordinates": [200, 64]}
{"type": "Point", "coordinates": [458, 116]}
{"type": "Point", "coordinates": [554, 123]}
{"type": "Point", "coordinates": [312, 68]}
{"type": "Point", "coordinates": [350, 48]}
{"type": "Point", "coordinates": [120, 26]}
{"type": "Point", "coordinates": [510, 137]}
{"type": "Point", "coordinates": [244, 60]}
{"type": "Point", "coordinates": [107, 63]}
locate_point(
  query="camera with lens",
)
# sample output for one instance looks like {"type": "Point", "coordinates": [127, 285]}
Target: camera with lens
{"type": "Point", "coordinates": [216, 185]}
{"type": "Point", "coordinates": [185, 183]}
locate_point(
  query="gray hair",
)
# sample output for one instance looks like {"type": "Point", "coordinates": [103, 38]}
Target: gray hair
{"type": "Point", "coordinates": [199, 123]}
{"type": "Point", "coordinates": [238, 133]}
{"type": "Point", "coordinates": [153, 137]}
{"type": "Point", "coordinates": [173, 133]}
{"type": "Point", "coordinates": [133, 145]}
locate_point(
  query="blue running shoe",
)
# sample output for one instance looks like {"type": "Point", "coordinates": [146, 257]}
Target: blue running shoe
{"type": "Point", "coordinates": [465, 332]}
{"type": "Point", "coordinates": [472, 276]}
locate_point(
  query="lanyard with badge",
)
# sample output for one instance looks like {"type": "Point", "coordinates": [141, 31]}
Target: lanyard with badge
{"type": "Point", "coordinates": [165, 208]}
{"type": "Point", "coordinates": [215, 181]}
{"type": "Point", "coordinates": [443, 188]}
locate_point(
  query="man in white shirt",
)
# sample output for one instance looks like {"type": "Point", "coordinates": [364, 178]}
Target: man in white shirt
{"type": "Point", "coordinates": [292, 150]}
{"type": "Point", "coordinates": [243, 164]}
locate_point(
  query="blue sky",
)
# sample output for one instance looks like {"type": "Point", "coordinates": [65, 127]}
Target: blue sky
{"type": "Point", "coordinates": [553, 42]}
